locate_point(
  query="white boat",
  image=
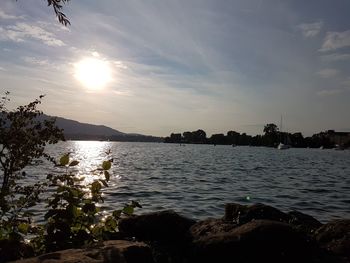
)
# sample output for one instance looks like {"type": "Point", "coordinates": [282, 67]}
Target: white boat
{"type": "Point", "coordinates": [283, 146]}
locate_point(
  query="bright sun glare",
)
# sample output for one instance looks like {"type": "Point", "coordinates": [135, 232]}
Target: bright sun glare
{"type": "Point", "coordinates": [93, 73]}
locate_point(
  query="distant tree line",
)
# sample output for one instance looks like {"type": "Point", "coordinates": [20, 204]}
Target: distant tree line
{"type": "Point", "coordinates": [271, 137]}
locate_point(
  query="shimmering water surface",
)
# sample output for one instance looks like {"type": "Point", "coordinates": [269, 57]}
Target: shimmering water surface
{"type": "Point", "coordinates": [197, 180]}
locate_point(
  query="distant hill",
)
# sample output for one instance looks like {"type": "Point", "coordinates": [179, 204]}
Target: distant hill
{"type": "Point", "coordinates": [74, 130]}
{"type": "Point", "coordinates": [71, 127]}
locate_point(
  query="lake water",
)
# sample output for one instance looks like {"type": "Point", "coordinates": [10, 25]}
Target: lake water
{"type": "Point", "coordinates": [197, 180]}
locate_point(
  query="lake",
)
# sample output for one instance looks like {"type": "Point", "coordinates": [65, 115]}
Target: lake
{"type": "Point", "coordinates": [197, 180]}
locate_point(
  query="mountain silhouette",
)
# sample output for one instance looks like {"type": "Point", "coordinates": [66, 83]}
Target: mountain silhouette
{"type": "Point", "coordinates": [74, 130]}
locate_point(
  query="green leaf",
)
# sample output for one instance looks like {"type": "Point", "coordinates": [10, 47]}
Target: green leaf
{"type": "Point", "coordinates": [64, 160]}
{"type": "Point", "coordinates": [74, 163]}
{"type": "Point", "coordinates": [129, 210]}
{"type": "Point", "coordinates": [104, 183]}
{"type": "Point", "coordinates": [23, 228]}
{"type": "Point", "coordinates": [106, 165]}
{"type": "Point", "coordinates": [95, 187]}
{"type": "Point", "coordinates": [116, 214]}
{"type": "Point", "coordinates": [136, 204]}
{"type": "Point", "coordinates": [107, 176]}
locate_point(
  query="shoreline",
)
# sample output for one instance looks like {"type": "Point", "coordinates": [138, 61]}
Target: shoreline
{"type": "Point", "coordinates": [244, 234]}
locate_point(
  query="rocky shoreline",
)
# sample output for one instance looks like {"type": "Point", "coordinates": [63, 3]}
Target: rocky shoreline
{"type": "Point", "coordinates": [256, 233]}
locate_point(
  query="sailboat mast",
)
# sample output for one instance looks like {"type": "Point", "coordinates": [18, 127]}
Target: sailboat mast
{"type": "Point", "coordinates": [281, 124]}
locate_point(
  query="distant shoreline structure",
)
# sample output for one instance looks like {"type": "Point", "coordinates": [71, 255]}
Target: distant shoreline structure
{"type": "Point", "coordinates": [75, 130]}
{"type": "Point", "coordinates": [323, 140]}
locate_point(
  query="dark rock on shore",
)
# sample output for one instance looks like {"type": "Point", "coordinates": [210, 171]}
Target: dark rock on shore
{"type": "Point", "coordinates": [210, 227]}
{"type": "Point", "coordinates": [303, 222]}
{"type": "Point", "coordinates": [256, 233]}
{"type": "Point", "coordinates": [242, 214]}
{"type": "Point", "coordinates": [166, 226]}
{"type": "Point", "coordinates": [335, 237]}
{"type": "Point", "coordinates": [266, 240]}
{"type": "Point", "coordinates": [114, 251]}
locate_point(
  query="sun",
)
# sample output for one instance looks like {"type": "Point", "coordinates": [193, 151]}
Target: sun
{"type": "Point", "coordinates": [93, 73]}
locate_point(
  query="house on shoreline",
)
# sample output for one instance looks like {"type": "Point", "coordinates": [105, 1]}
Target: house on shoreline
{"type": "Point", "coordinates": [339, 138]}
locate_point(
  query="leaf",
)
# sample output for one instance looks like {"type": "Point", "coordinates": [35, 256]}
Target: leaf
{"type": "Point", "coordinates": [107, 176]}
{"type": "Point", "coordinates": [104, 183]}
{"type": "Point", "coordinates": [74, 163]}
{"type": "Point", "coordinates": [95, 187]}
{"type": "Point", "coordinates": [116, 214]}
{"type": "Point", "coordinates": [129, 210]}
{"type": "Point", "coordinates": [106, 165]}
{"type": "Point", "coordinates": [64, 160]}
{"type": "Point", "coordinates": [136, 204]}
{"type": "Point", "coordinates": [23, 228]}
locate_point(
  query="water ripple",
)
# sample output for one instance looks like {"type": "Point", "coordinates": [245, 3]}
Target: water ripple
{"type": "Point", "coordinates": [197, 180]}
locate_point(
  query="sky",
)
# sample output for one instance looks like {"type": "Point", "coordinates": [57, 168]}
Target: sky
{"type": "Point", "coordinates": [174, 66]}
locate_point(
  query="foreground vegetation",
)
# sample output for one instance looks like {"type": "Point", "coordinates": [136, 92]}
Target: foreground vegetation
{"type": "Point", "coordinates": [73, 217]}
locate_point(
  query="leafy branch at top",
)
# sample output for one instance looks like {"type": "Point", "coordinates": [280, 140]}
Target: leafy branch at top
{"type": "Point", "coordinates": [57, 7]}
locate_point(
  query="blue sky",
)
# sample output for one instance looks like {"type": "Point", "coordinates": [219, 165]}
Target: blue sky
{"type": "Point", "coordinates": [181, 65]}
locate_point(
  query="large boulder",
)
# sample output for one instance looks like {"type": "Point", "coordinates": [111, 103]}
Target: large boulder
{"type": "Point", "coordinates": [335, 237]}
{"type": "Point", "coordinates": [256, 241]}
{"type": "Point", "coordinates": [242, 214]}
{"type": "Point", "coordinates": [13, 249]}
{"type": "Point", "coordinates": [210, 227]}
{"type": "Point", "coordinates": [166, 226]}
{"type": "Point", "coordinates": [115, 251]}
{"type": "Point", "coordinates": [303, 222]}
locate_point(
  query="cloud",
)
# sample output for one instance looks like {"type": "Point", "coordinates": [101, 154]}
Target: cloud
{"type": "Point", "coordinates": [311, 29]}
{"type": "Point", "coordinates": [335, 57]}
{"type": "Point", "coordinates": [336, 40]}
{"type": "Point", "coordinates": [23, 31]}
{"type": "Point", "coordinates": [120, 64]}
{"type": "Point", "coordinates": [36, 61]}
{"type": "Point", "coordinates": [329, 92]}
{"type": "Point", "coordinates": [4, 16]}
{"type": "Point", "coordinates": [346, 82]}
{"type": "Point", "coordinates": [327, 73]}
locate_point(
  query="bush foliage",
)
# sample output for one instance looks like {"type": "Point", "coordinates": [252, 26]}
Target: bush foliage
{"type": "Point", "coordinates": [73, 218]}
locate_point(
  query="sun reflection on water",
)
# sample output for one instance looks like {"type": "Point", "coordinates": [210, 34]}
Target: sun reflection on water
{"type": "Point", "coordinates": [90, 155]}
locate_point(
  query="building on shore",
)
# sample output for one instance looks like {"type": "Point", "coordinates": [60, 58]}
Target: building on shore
{"type": "Point", "coordinates": [339, 138]}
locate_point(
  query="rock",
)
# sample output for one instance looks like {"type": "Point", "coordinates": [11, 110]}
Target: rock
{"type": "Point", "coordinates": [166, 226]}
{"type": "Point", "coordinates": [256, 241]}
{"type": "Point", "coordinates": [111, 251]}
{"type": "Point", "coordinates": [12, 249]}
{"type": "Point", "coordinates": [210, 227]}
{"type": "Point", "coordinates": [303, 222]}
{"type": "Point", "coordinates": [242, 214]}
{"type": "Point", "coordinates": [335, 237]}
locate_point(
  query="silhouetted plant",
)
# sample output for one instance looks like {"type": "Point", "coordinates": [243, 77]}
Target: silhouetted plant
{"type": "Point", "coordinates": [73, 218]}
{"type": "Point", "coordinates": [23, 136]}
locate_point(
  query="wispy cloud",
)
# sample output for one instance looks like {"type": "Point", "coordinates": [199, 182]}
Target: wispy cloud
{"type": "Point", "coordinates": [36, 61]}
{"type": "Point", "coordinates": [336, 40]}
{"type": "Point", "coordinates": [327, 73]}
{"type": "Point", "coordinates": [335, 57]}
{"type": "Point", "coordinates": [329, 92]}
{"type": "Point", "coordinates": [5, 16]}
{"type": "Point", "coordinates": [21, 32]}
{"type": "Point", "coordinates": [310, 29]}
